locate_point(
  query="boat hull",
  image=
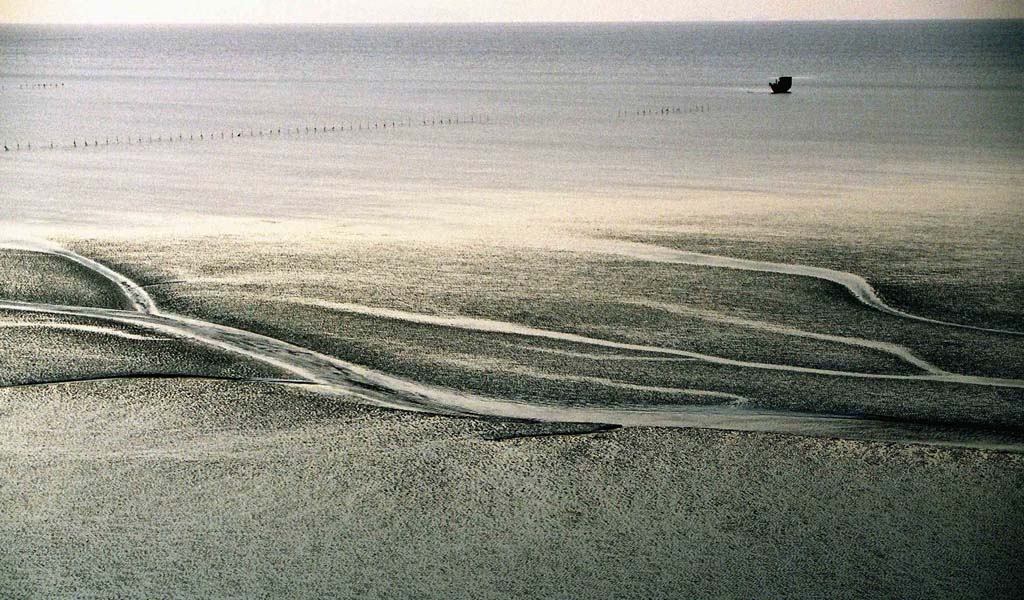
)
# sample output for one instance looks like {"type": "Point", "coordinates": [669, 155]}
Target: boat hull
{"type": "Point", "coordinates": [781, 85]}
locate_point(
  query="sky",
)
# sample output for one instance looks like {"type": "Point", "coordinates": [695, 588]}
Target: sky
{"type": "Point", "coordinates": [435, 11]}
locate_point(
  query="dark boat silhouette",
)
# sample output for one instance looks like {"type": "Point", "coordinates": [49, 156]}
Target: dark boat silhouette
{"type": "Point", "coordinates": [781, 85]}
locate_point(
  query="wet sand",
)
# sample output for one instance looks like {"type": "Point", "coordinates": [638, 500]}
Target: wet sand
{"type": "Point", "coordinates": [712, 409]}
{"type": "Point", "coordinates": [385, 419]}
{"type": "Point", "coordinates": [240, 489]}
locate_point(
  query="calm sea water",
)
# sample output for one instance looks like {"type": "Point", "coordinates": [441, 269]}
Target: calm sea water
{"type": "Point", "coordinates": [873, 105]}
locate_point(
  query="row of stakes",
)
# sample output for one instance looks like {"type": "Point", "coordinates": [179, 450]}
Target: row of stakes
{"type": "Point", "coordinates": [665, 110]}
{"type": "Point", "coordinates": [357, 126]}
{"type": "Point", "coordinates": [29, 86]}
{"type": "Point", "coordinates": [282, 131]}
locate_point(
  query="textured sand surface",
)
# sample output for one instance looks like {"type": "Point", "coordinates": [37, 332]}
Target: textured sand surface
{"type": "Point", "coordinates": [214, 480]}
{"type": "Point", "coordinates": [135, 488]}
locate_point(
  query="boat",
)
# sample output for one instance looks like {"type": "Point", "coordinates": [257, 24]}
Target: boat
{"type": "Point", "coordinates": [781, 85]}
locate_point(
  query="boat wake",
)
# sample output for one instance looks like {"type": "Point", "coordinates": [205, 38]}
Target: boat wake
{"type": "Point", "coordinates": [333, 376]}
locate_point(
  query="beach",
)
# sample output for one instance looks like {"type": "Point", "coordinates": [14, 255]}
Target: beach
{"type": "Point", "coordinates": [545, 311]}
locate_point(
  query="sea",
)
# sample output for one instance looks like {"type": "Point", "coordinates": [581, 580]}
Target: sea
{"type": "Point", "coordinates": [103, 124]}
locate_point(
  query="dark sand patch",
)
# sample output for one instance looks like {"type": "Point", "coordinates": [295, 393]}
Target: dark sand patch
{"type": "Point", "coordinates": [40, 348]}
{"type": "Point", "coordinates": [38, 277]}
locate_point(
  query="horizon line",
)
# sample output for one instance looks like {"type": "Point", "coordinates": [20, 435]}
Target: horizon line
{"type": "Point", "coordinates": [522, 22]}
